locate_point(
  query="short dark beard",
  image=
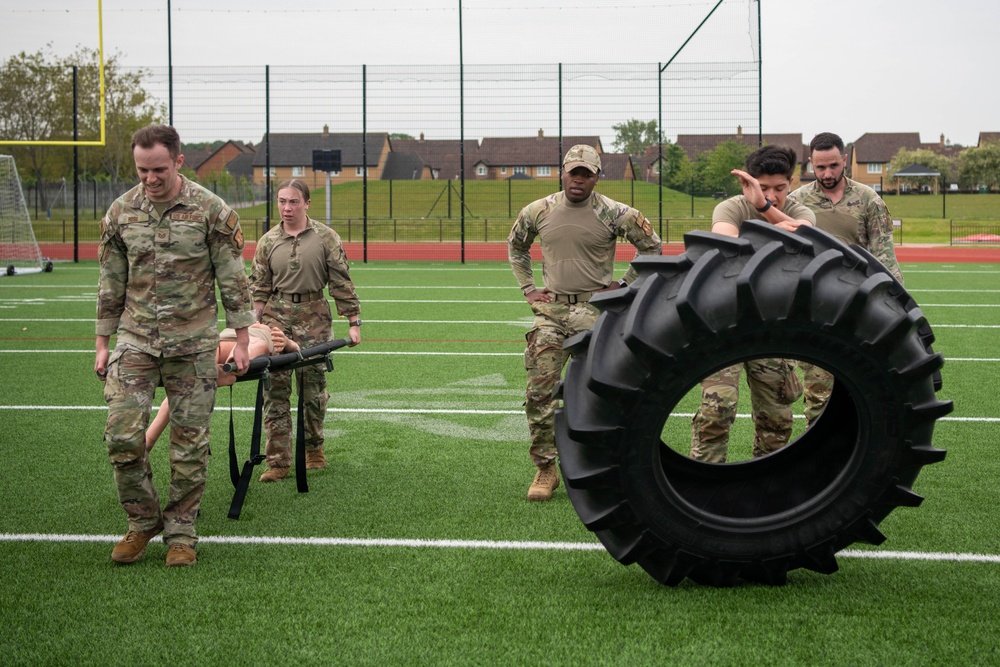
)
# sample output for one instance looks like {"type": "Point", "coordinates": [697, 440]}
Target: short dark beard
{"type": "Point", "coordinates": [835, 183]}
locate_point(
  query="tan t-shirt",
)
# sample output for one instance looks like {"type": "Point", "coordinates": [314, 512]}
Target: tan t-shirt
{"type": "Point", "coordinates": [737, 209]}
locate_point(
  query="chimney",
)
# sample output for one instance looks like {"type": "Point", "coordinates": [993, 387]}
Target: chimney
{"type": "Point", "coordinates": [739, 131]}
{"type": "Point", "coordinates": [541, 133]}
{"type": "Point", "coordinates": [421, 136]}
{"type": "Point", "coordinates": [326, 130]}
{"type": "Point", "coordinates": [942, 140]}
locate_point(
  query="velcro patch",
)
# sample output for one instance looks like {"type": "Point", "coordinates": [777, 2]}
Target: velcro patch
{"type": "Point", "coordinates": [644, 225]}
{"type": "Point", "coordinates": [227, 217]}
{"type": "Point", "coordinates": [238, 239]}
{"type": "Point", "coordinates": [190, 217]}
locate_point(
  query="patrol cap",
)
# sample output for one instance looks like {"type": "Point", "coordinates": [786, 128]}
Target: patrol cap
{"type": "Point", "coordinates": [582, 155]}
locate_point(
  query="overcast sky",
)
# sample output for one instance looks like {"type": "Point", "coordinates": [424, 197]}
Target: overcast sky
{"type": "Point", "coordinates": [851, 67]}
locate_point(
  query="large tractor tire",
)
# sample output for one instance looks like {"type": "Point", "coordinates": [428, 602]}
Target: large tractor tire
{"type": "Point", "coordinates": [768, 293]}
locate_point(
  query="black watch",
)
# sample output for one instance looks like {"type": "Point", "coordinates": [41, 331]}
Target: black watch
{"type": "Point", "coordinates": [355, 323]}
{"type": "Point", "coordinates": [767, 205]}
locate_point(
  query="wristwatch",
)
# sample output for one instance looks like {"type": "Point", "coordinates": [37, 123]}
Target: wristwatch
{"type": "Point", "coordinates": [355, 323]}
{"type": "Point", "coordinates": [766, 206]}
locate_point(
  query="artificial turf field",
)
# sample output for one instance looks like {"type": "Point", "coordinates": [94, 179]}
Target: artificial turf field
{"type": "Point", "coordinates": [416, 545]}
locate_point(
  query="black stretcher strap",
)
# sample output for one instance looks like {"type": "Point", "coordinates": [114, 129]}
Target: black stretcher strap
{"type": "Point", "coordinates": [259, 368]}
{"type": "Point", "coordinates": [242, 480]}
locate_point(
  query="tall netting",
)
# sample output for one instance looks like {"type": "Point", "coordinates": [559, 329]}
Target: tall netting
{"type": "Point", "coordinates": [19, 252]}
{"type": "Point", "coordinates": [438, 159]}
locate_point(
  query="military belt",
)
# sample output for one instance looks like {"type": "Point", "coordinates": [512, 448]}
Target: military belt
{"type": "Point", "coordinates": [300, 297]}
{"type": "Point", "coordinates": [573, 298]}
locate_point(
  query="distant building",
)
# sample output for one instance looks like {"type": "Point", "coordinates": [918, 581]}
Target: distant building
{"type": "Point", "coordinates": [535, 157]}
{"type": "Point", "coordinates": [291, 156]}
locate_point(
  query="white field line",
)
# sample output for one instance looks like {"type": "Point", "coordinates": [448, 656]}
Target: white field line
{"type": "Point", "coordinates": [425, 411]}
{"type": "Point", "coordinates": [464, 544]}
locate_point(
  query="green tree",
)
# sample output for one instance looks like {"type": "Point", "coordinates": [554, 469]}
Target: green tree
{"type": "Point", "coordinates": [128, 106]}
{"type": "Point", "coordinates": [714, 167]}
{"type": "Point", "coordinates": [400, 135]}
{"type": "Point", "coordinates": [980, 165]}
{"type": "Point", "coordinates": [33, 108]}
{"type": "Point", "coordinates": [942, 164]}
{"type": "Point", "coordinates": [635, 136]}
{"type": "Point", "coordinates": [36, 104]}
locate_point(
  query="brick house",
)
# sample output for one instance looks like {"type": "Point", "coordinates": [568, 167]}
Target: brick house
{"type": "Point", "coordinates": [872, 152]}
{"type": "Point", "coordinates": [218, 161]}
{"type": "Point", "coordinates": [291, 156]}
{"type": "Point", "coordinates": [533, 157]}
{"type": "Point", "coordinates": [443, 157]}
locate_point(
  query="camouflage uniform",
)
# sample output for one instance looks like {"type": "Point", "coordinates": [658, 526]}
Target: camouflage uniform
{"type": "Point", "coordinates": [157, 291]}
{"type": "Point", "coordinates": [861, 218]}
{"type": "Point", "coordinates": [773, 387]}
{"type": "Point", "coordinates": [308, 261]}
{"type": "Point", "coordinates": [590, 258]}
{"type": "Point", "coordinates": [773, 382]}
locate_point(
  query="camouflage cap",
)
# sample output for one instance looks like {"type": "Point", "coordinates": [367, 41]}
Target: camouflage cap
{"type": "Point", "coordinates": [582, 155]}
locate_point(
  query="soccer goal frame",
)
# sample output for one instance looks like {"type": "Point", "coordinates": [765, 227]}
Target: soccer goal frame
{"type": "Point", "coordinates": [19, 252]}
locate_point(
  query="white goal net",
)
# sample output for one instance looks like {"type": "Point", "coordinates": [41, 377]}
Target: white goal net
{"type": "Point", "coordinates": [19, 251]}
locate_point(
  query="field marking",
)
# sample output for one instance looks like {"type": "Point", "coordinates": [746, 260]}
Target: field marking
{"type": "Point", "coordinates": [465, 544]}
{"type": "Point", "coordinates": [432, 411]}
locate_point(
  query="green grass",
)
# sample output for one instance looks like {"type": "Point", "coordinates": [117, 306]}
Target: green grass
{"type": "Point", "coordinates": [424, 465]}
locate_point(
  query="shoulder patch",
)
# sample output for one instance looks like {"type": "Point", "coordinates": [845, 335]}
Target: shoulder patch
{"type": "Point", "coordinates": [226, 216]}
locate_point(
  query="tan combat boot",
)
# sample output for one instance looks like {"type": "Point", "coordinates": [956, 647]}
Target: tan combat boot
{"type": "Point", "coordinates": [181, 554]}
{"type": "Point", "coordinates": [546, 481]}
{"type": "Point", "coordinates": [274, 474]}
{"type": "Point", "coordinates": [315, 460]}
{"type": "Point", "coordinates": [133, 545]}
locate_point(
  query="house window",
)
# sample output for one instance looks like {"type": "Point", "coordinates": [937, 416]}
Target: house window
{"type": "Point", "coordinates": [264, 172]}
{"type": "Point", "coordinates": [503, 170]}
{"type": "Point", "coordinates": [298, 172]}
{"type": "Point", "coordinates": [874, 167]}
{"type": "Point", "coordinates": [520, 170]}
{"type": "Point", "coordinates": [481, 170]}
{"type": "Point", "coordinates": [334, 174]}
{"type": "Point", "coordinates": [359, 171]}
{"type": "Point", "coordinates": [545, 171]}
{"type": "Point", "coordinates": [809, 168]}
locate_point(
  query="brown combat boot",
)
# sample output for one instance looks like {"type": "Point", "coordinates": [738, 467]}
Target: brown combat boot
{"type": "Point", "coordinates": [315, 460]}
{"type": "Point", "coordinates": [133, 545]}
{"type": "Point", "coordinates": [274, 474]}
{"type": "Point", "coordinates": [546, 481]}
{"type": "Point", "coordinates": [179, 555]}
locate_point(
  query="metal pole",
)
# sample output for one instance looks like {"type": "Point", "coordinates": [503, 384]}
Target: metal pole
{"type": "Point", "coordinates": [267, 146]}
{"type": "Point", "coordinates": [561, 153]}
{"type": "Point", "coordinates": [659, 143]}
{"type": "Point", "coordinates": [760, 84]}
{"type": "Point", "coordinates": [170, 68]}
{"type": "Point", "coordinates": [461, 125]}
{"type": "Point", "coordinates": [328, 199]}
{"type": "Point", "coordinates": [76, 171]}
{"type": "Point", "coordinates": [696, 30]}
{"type": "Point", "coordinates": [364, 156]}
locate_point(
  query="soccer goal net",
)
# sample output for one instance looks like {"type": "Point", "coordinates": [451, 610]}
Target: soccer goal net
{"type": "Point", "coordinates": [19, 251]}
